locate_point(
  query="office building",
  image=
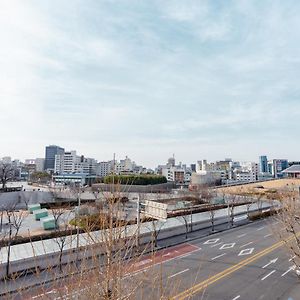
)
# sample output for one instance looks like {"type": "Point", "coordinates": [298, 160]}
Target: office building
{"type": "Point", "coordinates": [263, 164]}
{"type": "Point", "coordinates": [50, 153]}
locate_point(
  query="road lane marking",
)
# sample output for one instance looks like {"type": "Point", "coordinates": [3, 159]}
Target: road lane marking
{"type": "Point", "coordinates": [211, 280]}
{"type": "Point", "coordinates": [268, 275]}
{"type": "Point", "coordinates": [215, 245]}
{"type": "Point", "coordinates": [237, 297]}
{"type": "Point", "coordinates": [227, 246]}
{"type": "Point", "coordinates": [273, 261]}
{"type": "Point", "coordinates": [218, 256]}
{"type": "Point", "coordinates": [246, 244]}
{"type": "Point", "coordinates": [268, 235]}
{"type": "Point", "coordinates": [134, 273]}
{"type": "Point", "coordinates": [208, 242]}
{"type": "Point", "coordinates": [239, 236]}
{"type": "Point", "coordinates": [246, 252]}
{"type": "Point", "coordinates": [292, 258]}
{"type": "Point", "coordinates": [261, 228]}
{"type": "Point", "coordinates": [178, 273]}
{"type": "Point", "coordinates": [289, 270]}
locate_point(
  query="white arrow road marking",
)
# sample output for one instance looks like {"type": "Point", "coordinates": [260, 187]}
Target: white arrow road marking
{"type": "Point", "coordinates": [289, 270]}
{"type": "Point", "coordinates": [292, 258]}
{"type": "Point", "coordinates": [246, 244]}
{"type": "Point", "coordinates": [246, 252]}
{"type": "Point", "coordinates": [178, 273]}
{"type": "Point", "coordinates": [273, 261]}
{"type": "Point", "coordinates": [227, 246]}
{"type": "Point", "coordinates": [268, 275]}
{"type": "Point", "coordinates": [211, 241]}
{"type": "Point", "coordinates": [237, 297]}
{"type": "Point", "coordinates": [218, 256]}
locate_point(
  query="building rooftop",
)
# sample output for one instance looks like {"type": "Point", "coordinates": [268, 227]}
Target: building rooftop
{"type": "Point", "coordinates": [292, 169]}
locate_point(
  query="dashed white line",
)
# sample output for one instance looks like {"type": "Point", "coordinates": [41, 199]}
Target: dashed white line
{"type": "Point", "coordinates": [178, 273]}
{"type": "Point", "coordinates": [246, 244]}
{"type": "Point", "coordinates": [216, 245]}
{"type": "Point", "coordinates": [261, 228]}
{"type": "Point", "coordinates": [269, 274]}
{"type": "Point", "coordinates": [239, 236]}
{"type": "Point", "coordinates": [218, 256]}
{"type": "Point", "coordinates": [268, 235]}
{"type": "Point", "coordinates": [237, 297]}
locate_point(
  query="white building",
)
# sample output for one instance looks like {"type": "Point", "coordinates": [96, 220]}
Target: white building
{"type": "Point", "coordinates": [104, 168]}
{"type": "Point", "coordinates": [40, 164]}
{"type": "Point", "coordinates": [70, 162]}
{"type": "Point", "coordinates": [246, 172]}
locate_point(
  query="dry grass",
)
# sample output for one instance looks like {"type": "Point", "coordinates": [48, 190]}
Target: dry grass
{"type": "Point", "coordinates": [273, 184]}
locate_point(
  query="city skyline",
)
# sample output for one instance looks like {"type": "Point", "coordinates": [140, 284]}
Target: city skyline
{"type": "Point", "coordinates": [201, 80]}
{"type": "Point", "coordinates": [119, 157]}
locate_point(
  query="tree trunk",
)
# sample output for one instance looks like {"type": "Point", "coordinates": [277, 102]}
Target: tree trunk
{"type": "Point", "coordinates": [8, 250]}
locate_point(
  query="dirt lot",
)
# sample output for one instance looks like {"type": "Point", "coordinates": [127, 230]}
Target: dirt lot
{"type": "Point", "coordinates": [273, 184]}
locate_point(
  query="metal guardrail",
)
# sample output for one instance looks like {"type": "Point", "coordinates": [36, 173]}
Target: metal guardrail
{"type": "Point", "coordinates": [11, 189]}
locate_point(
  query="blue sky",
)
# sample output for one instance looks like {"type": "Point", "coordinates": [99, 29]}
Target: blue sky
{"type": "Point", "coordinates": [201, 79]}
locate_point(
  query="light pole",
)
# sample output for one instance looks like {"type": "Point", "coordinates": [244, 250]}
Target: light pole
{"type": "Point", "coordinates": [77, 222]}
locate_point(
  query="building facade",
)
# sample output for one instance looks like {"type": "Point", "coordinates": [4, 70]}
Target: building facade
{"type": "Point", "coordinates": [50, 152]}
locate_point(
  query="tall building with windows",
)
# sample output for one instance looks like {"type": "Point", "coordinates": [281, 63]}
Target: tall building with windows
{"type": "Point", "coordinates": [70, 163]}
{"type": "Point", "coordinates": [50, 153]}
{"type": "Point", "coordinates": [263, 164]}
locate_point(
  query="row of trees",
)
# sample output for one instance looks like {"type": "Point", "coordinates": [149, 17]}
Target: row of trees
{"type": "Point", "coordinates": [135, 179]}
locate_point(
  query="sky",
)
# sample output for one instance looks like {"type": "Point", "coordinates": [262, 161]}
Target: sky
{"type": "Point", "coordinates": [149, 79]}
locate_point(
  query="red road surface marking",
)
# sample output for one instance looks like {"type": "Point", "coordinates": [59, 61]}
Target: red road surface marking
{"type": "Point", "coordinates": [162, 256]}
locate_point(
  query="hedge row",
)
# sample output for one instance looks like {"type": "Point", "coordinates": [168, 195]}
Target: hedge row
{"type": "Point", "coordinates": [135, 179]}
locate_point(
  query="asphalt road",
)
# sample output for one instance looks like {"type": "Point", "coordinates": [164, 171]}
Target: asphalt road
{"type": "Point", "coordinates": [246, 262]}
{"type": "Point", "coordinates": [243, 263]}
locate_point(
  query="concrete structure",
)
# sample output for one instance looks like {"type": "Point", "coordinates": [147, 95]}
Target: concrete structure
{"type": "Point", "coordinates": [40, 213]}
{"type": "Point", "coordinates": [34, 207]}
{"type": "Point", "coordinates": [48, 223]}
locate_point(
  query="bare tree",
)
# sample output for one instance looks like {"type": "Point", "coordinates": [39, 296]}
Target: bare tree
{"type": "Point", "coordinates": [212, 214]}
{"type": "Point", "coordinates": [6, 173]}
{"type": "Point", "coordinates": [157, 225]}
{"type": "Point", "coordinates": [231, 203]}
{"type": "Point", "coordinates": [16, 219]}
{"type": "Point", "coordinates": [289, 217]}
{"type": "Point", "coordinates": [186, 219]}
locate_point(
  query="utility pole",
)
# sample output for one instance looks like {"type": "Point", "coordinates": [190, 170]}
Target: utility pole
{"type": "Point", "coordinates": [78, 213]}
